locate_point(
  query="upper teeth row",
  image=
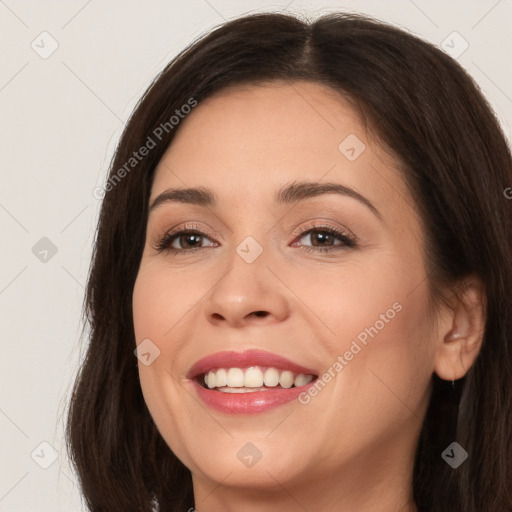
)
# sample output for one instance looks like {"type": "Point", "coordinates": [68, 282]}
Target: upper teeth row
{"type": "Point", "coordinates": [254, 377]}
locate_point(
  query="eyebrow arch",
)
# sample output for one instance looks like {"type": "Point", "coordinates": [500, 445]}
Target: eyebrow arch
{"type": "Point", "coordinates": [201, 196]}
{"type": "Point", "coordinates": [293, 192]}
{"type": "Point", "coordinates": [305, 189]}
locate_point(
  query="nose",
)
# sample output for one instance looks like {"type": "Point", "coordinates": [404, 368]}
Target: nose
{"type": "Point", "coordinates": [249, 293]}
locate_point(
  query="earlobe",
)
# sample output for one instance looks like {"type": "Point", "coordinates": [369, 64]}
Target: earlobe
{"type": "Point", "coordinates": [462, 330]}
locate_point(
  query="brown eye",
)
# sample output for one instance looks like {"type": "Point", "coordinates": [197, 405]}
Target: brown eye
{"type": "Point", "coordinates": [321, 238]}
{"type": "Point", "coordinates": [325, 239]}
{"type": "Point", "coordinates": [185, 240]}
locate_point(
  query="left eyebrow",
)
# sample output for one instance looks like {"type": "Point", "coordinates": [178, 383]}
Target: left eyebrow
{"type": "Point", "coordinates": [305, 189]}
{"type": "Point", "coordinates": [293, 192]}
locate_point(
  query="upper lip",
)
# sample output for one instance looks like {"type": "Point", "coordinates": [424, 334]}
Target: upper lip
{"type": "Point", "coordinates": [245, 359]}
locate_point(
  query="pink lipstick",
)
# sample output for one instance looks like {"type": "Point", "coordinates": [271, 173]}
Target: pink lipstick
{"type": "Point", "coordinates": [248, 382]}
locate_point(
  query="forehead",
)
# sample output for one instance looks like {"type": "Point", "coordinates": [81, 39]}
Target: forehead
{"type": "Point", "coordinates": [252, 139]}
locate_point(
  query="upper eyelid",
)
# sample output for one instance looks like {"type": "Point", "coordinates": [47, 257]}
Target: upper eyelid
{"type": "Point", "coordinates": [319, 224]}
{"type": "Point", "coordinates": [300, 230]}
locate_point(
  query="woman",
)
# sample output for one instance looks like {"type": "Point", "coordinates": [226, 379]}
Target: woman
{"type": "Point", "coordinates": [306, 243]}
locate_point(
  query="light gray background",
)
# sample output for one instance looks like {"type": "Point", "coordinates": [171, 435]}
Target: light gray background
{"type": "Point", "coordinates": [60, 120]}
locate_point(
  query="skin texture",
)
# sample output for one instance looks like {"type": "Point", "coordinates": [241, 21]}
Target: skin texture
{"type": "Point", "coordinates": [352, 446]}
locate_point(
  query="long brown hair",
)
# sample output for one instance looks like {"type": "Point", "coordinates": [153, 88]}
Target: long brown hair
{"type": "Point", "coordinates": [457, 165]}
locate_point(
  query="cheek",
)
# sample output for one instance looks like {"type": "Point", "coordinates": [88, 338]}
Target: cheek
{"type": "Point", "coordinates": [381, 306]}
{"type": "Point", "coordinates": [157, 308]}
{"type": "Point", "coordinates": [381, 353]}
{"type": "Point", "coordinates": [387, 360]}
{"type": "Point", "coordinates": [160, 301]}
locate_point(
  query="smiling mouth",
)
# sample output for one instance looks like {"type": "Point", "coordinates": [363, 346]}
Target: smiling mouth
{"type": "Point", "coordinates": [252, 379]}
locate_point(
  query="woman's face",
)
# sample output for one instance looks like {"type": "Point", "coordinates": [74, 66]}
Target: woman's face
{"type": "Point", "coordinates": [265, 269]}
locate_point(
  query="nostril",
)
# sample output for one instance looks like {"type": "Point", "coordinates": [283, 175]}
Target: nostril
{"type": "Point", "coordinates": [261, 313]}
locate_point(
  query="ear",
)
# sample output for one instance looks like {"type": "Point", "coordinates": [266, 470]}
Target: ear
{"type": "Point", "coordinates": [461, 328]}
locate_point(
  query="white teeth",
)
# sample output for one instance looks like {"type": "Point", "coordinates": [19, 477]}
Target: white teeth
{"type": "Point", "coordinates": [271, 377]}
{"type": "Point", "coordinates": [221, 378]}
{"type": "Point", "coordinates": [253, 378]}
{"type": "Point", "coordinates": [301, 379]}
{"type": "Point", "coordinates": [236, 380]}
{"type": "Point", "coordinates": [211, 380]}
{"type": "Point", "coordinates": [241, 390]}
{"type": "Point", "coordinates": [286, 379]}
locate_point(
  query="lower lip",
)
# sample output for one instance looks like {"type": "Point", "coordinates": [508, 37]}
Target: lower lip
{"type": "Point", "coordinates": [248, 403]}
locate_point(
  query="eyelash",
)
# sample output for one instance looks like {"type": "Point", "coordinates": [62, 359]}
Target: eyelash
{"type": "Point", "coordinates": [348, 240]}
